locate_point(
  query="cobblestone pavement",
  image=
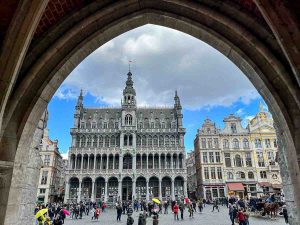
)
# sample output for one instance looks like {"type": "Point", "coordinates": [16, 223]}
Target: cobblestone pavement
{"type": "Point", "coordinates": [205, 218]}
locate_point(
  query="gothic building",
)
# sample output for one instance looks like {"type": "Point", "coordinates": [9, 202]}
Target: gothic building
{"type": "Point", "coordinates": [126, 153]}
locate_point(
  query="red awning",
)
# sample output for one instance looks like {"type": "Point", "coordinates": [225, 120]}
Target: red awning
{"type": "Point", "coordinates": [235, 186]}
{"type": "Point", "coordinates": [277, 186]}
{"type": "Point", "coordinates": [265, 184]}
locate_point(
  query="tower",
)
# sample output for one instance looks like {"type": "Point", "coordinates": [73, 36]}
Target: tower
{"type": "Point", "coordinates": [178, 108]}
{"type": "Point", "coordinates": [78, 110]}
{"type": "Point", "coordinates": [129, 93]}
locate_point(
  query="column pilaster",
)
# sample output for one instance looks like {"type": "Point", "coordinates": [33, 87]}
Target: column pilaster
{"type": "Point", "coordinates": [105, 194]}
{"type": "Point", "coordinates": [147, 193]}
{"type": "Point", "coordinates": [93, 191]}
{"type": "Point", "coordinates": [172, 190]}
{"type": "Point", "coordinates": [79, 192]}
{"type": "Point", "coordinates": [67, 192]}
{"type": "Point", "coordinates": [160, 192]}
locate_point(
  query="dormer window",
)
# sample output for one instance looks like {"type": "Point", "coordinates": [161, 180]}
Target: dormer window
{"type": "Point", "coordinates": [233, 128]}
{"type": "Point", "coordinates": [128, 119]}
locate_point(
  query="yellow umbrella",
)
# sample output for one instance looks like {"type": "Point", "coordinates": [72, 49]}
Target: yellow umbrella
{"type": "Point", "coordinates": [40, 213]}
{"type": "Point", "coordinates": [156, 200]}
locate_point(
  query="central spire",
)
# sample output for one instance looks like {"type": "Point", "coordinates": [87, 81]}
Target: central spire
{"type": "Point", "coordinates": [129, 91]}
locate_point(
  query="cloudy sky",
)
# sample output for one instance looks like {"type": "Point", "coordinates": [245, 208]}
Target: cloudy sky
{"type": "Point", "coordinates": [163, 60]}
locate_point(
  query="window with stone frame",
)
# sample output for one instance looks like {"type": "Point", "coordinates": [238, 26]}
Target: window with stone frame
{"type": "Point", "coordinates": [227, 159]}
{"type": "Point", "coordinates": [236, 143]}
{"type": "Point", "coordinates": [149, 141]}
{"type": "Point", "coordinates": [209, 143]}
{"type": "Point", "coordinates": [44, 177]}
{"type": "Point", "coordinates": [216, 143]}
{"type": "Point", "coordinates": [211, 157]}
{"type": "Point", "coordinates": [144, 143]}
{"type": "Point", "coordinates": [95, 141]}
{"type": "Point", "coordinates": [161, 141]}
{"type": "Point", "coordinates": [219, 171]}
{"type": "Point", "coordinates": [229, 176]}
{"type": "Point", "coordinates": [203, 143]}
{"type": "Point", "coordinates": [204, 157]}
{"type": "Point", "coordinates": [47, 160]}
{"type": "Point", "coordinates": [106, 141]}
{"type": "Point", "coordinates": [138, 140]}
{"type": "Point", "coordinates": [213, 172]}
{"type": "Point", "coordinates": [225, 144]}
{"type": "Point", "coordinates": [112, 141]}
{"type": "Point", "coordinates": [248, 159]}
{"type": "Point", "coordinates": [245, 143]}
{"type": "Point", "coordinates": [238, 161]}
{"type": "Point", "coordinates": [89, 141]}
{"type": "Point", "coordinates": [128, 119]}
{"type": "Point", "coordinates": [163, 125]}
{"type": "Point", "coordinates": [267, 143]}
{"type": "Point", "coordinates": [140, 125]}
{"type": "Point", "coordinates": [206, 173]}
{"type": "Point", "coordinates": [152, 125]}
{"type": "Point", "coordinates": [257, 143]}
{"type": "Point", "coordinates": [116, 125]}
{"type": "Point", "coordinates": [167, 141]}
{"type": "Point", "coordinates": [260, 159]}
{"type": "Point", "coordinates": [275, 143]}
{"type": "Point", "coordinates": [105, 125]}
{"type": "Point", "coordinates": [172, 141]}
{"type": "Point", "coordinates": [233, 128]}
{"type": "Point", "coordinates": [218, 158]}
{"type": "Point", "coordinates": [100, 141]}
{"type": "Point", "coordinates": [42, 190]}
{"type": "Point", "coordinates": [155, 141]}
{"type": "Point", "coordinates": [82, 125]}
{"type": "Point", "coordinates": [77, 141]}
{"type": "Point", "coordinates": [250, 175]}
{"type": "Point", "coordinates": [263, 174]}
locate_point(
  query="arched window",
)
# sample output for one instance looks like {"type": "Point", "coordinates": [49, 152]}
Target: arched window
{"type": "Point", "coordinates": [167, 141]}
{"type": "Point", "coordinates": [230, 175]}
{"type": "Point", "coordinates": [240, 175]}
{"type": "Point", "coordinates": [130, 140]}
{"type": "Point", "coordinates": [225, 144]}
{"type": "Point", "coordinates": [161, 141]}
{"type": "Point", "coordinates": [128, 119]}
{"type": "Point", "coordinates": [236, 143]}
{"type": "Point", "coordinates": [83, 140]}
{"type": "Point", "coordinates": [149, 141]}
{"type": "Point", "coordinates": [95, 140]}
{"type": "Point", "coordinates": [100, 141]}
{"type": "Point", "coordinates": [245, 143]}
{"type": "Point", "coordinates": [172, 141]}
{"type": "Point", "coordinates": [125, 140]}
{"type": "Point", "coordinates": [155, 141]}
{"type": "Point", "coordinates": [106, 141]}
{"type": "Point", "coordinates": [112, 141]}
{"type": "Point", "coordinates": [144, 143]}
{"type": "Point", "coordinates": [263, 174]}
{"type": "Point", "coordinates": [89, 141]}
{"type": "Point", "coordinates": [238, 161]}
{"type": "Point", "coordinates": [138, 140]}
{"type": "Point", "coordinates": [250, 175]}
{"type": "Point", "coordinates": [77, 141]}
{"type": "Point", "coordinates": [127, 162]}
{"type": "Point", "coordinates": [257, 143]}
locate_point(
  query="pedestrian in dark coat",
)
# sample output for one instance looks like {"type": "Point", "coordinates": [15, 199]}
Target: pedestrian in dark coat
{"type": "Point", "coordinates": [285, 214]}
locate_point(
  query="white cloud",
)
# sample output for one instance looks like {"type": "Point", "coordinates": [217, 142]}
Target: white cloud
{"type": "Point", "coordinates": [64, 155]}
{"type": "Point", "coordinates": [163, 60]}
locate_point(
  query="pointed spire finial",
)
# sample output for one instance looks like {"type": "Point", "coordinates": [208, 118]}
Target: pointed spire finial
{"type": "Point", "coordinates": [81, 91]}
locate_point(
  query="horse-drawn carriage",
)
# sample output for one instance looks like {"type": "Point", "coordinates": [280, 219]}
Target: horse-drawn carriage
{"type": "Point", "coordinates": [261, 206]}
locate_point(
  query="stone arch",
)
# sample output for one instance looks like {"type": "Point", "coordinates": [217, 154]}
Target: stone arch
{"type": "Point", "coordinates": [141, 188]}
{"type": "Point", "coordinates": [127, 189]}
{"type": "Point", "coordinates": [72, 161]}
{"type": "Point", "coordinates": [99, 188]}
{"type": "Point", "coordinates": [166, 187]}
{"type": "Point", "coordinates": [179, 186]}
{"type": "Point", "coordinates": [153, 187]}
{"type": "Point", "coordinates": [127, 161]}
{"type": "Point", "coordinates": [266, 65]}
{"type": "Point", "coordinates": [74, 187]}
{"type": "Point", "coordinates": [86, 188]}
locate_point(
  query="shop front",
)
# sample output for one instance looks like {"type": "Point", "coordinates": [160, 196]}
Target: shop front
{"type": "Point", "coordinates": [236, 189]}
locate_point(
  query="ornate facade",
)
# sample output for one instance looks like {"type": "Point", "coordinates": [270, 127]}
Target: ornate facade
{"type": "Point", "coordinates": [126, 153]}
{"type": "Point", "coordinates": [237, 160]}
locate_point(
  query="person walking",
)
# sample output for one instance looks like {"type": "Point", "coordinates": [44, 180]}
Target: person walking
{"type": "Point", "coordinates": [200, 206]}
{"type": "Point", "coordinates": [215, 206]}
{"type": "Point", "coordinates": [142, 219]}
{"type": "Point", "coordinates": [166, 205]}
{"type": "Point", "coordinates": [285, 214]}
{"type": "Point", "coordinates": [130, 220]}
{"type": "Point", "coordinates": [191, 210]}
{"type": "Point", "coordinates": [119, 212]}
{"type": "Point", "coordinates": [232, 213]}
{"type": "Point", "coordinates": [241, 217]}
{"type": "Point", "coordinates": [155, 220]}
{"type": "Point", "coordinates": [175, 211]}
{"type": "Point", "coordinates": [181, 207]}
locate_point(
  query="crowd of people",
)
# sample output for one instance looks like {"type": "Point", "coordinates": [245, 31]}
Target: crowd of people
{"type": "Point", "coordinates": [239, 210]}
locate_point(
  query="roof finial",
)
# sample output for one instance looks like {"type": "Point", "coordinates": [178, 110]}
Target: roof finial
{"type": "Point", "coordinates": [129, 65]}
{"type": "Point", "coordinates": [81, 92]}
